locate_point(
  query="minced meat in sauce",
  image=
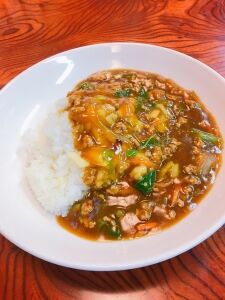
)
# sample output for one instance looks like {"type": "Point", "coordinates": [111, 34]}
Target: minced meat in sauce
{"type": "Point", "coordinates": [153, 151]}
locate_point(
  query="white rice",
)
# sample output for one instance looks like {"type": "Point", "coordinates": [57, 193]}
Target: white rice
{"type": "Point", "coordinates": [54, 169]}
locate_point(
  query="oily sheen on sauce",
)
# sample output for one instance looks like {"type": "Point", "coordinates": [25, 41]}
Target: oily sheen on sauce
{"type": "Point", "coordinates": [153, 151]}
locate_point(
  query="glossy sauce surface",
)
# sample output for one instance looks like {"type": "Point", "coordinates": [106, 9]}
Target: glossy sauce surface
{"type": "Point", "coordinates": [153, 151]}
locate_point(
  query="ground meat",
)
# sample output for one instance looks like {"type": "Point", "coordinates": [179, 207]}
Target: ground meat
{"type": "Point", "coordinates": [188, 189]}
{"type": "Point", "coordinates": [149, 128]}
{"type": "Point", "coordinates": [172, 214]}
{"type": "Point", "coordinates": [86, 222]}
{"type": "Point", "coordinates": [193, 180]}
{"type": "Point", "coordinates": [171, 97]}
{"type": "Point", "coordinates": [74, 99]}
{"type": "Point", "coordinates": [78, 109]}
{"type": "Point", "coordinates": [195, 151]}
{"type": "Point", "coordinates": [198, 143]}
{"type": "Point", "coordinates": [86, 207]}
{"type": "Point", "coordinates": [190, 169]}
{"type": "Point", "coordinates": [148, 83]}
{"type": "Point", "coordinates": [171, 148]}
{"type": "Point", "coordinates": [89, 176]}
{"type": "Point", "coordinates": [87, 141]}
{"type": "Point", "coordinates": [176, 91]}
{"type": "Point", "coordinates": [181, 121]}
{"type": "Point", "coordinates": [191, 104]}
{"type": "Point", "coordinates": [160, 85]}
{"type": "Point", "coordinates": [145, 165]}
{"type": "Point", "coordinates": [120, 127]}
{"type": "Point", "coordinates": [156, 94]}
{"type": "Point", "coordinates": [96, 177]}
{"type": "Point", "coordinates": [197, 147]}
{"type": "Point", "coordinates": [102, 178]}
{"type": "Point", "coordinates": [156, 154]}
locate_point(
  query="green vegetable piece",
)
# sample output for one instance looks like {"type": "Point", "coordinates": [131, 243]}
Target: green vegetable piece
{"type": "Point", "coordinates": [140, 102]}
{"type": "Point", "coordinates": [108, 155]}
{"type": "Point", "coordinates": [146, 183]}
{"type": "Point", "coordinates": [131, 153]}
{"type": "Point", "coordinates": [142, 93]}
{"type": "Point", "coordinates": [122, 93]}
{"type": "Point", "coordinates": [114, 231]}
{"type": "Point", "coordinates": [101, 224]}
{"type": "Point", "coordinates": [206, 137]}
{"type": "Point", "coordinates": [119, 213]}
{"type": "Point", "coordinates": [197, 106]}
{"type": "Point", "coordinates": [108, 158]}
{"type": "Point", "coordinates": [86, 86]}
{"type": "Point", "coordinates": [150, 142]}
{"type": "Point", "coordinates": [141, 98]}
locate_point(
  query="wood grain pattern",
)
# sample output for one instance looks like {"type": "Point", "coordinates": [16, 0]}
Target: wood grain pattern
{"type": "Point", "coordinates": [33, 30]}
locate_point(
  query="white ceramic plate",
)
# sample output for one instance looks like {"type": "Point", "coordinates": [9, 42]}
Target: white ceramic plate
{"type": "Point", "coordinates": [26, 98]}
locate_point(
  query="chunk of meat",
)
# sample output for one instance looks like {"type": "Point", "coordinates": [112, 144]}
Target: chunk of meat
{"type": "Point", "coordinates": [190, 169]}
{"type": "Point", "coordinates": [163, 184]}
{"type": "Point", "coordinates": [121, 201]}
{"type": "Point", "coordinates": [161, 212]}
{"type": "Point", "coordinates": [175, 196]}
{"type": "Point", "coordinates": [129, 221]}
{"type": "Point", "coordinates": [146, 226]}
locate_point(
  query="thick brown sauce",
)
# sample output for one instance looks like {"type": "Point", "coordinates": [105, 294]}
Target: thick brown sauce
{"type": "Point", "coordinates": [162, 94]}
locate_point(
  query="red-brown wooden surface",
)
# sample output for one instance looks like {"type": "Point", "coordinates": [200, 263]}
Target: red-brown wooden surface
{"type": "Point", "coordinates": [31, 30]}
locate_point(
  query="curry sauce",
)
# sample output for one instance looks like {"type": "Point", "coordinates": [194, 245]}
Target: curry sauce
{"type": "Point", "coordinates": [152, 151]}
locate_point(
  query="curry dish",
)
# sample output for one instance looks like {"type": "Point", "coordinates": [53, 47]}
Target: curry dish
{"type": "Point", "coordinates": [153, 151]}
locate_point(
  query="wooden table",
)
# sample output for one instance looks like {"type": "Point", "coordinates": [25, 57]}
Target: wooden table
{"type": "Point", "coordinates": [31, 30]}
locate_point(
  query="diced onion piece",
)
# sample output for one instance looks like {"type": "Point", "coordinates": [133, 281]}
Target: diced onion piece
{"type": "Point", "coordinates": [154, 113]}
{"type": "Point", "coordinates": [207, 161]}
{"type": "Point", "coordinates": [141, 159]}
{"type": "Point", "coordinates": [171, 168]}
{"type": "Point", "coordinates": [138, 172]}
{"type": "Point", "coordinates": [95, 156]}
{"type": "Point", "coordinates": [162, 108]}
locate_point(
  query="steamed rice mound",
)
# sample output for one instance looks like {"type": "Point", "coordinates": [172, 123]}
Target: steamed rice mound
{"type": "Point", "coordinates": [54, 170]}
